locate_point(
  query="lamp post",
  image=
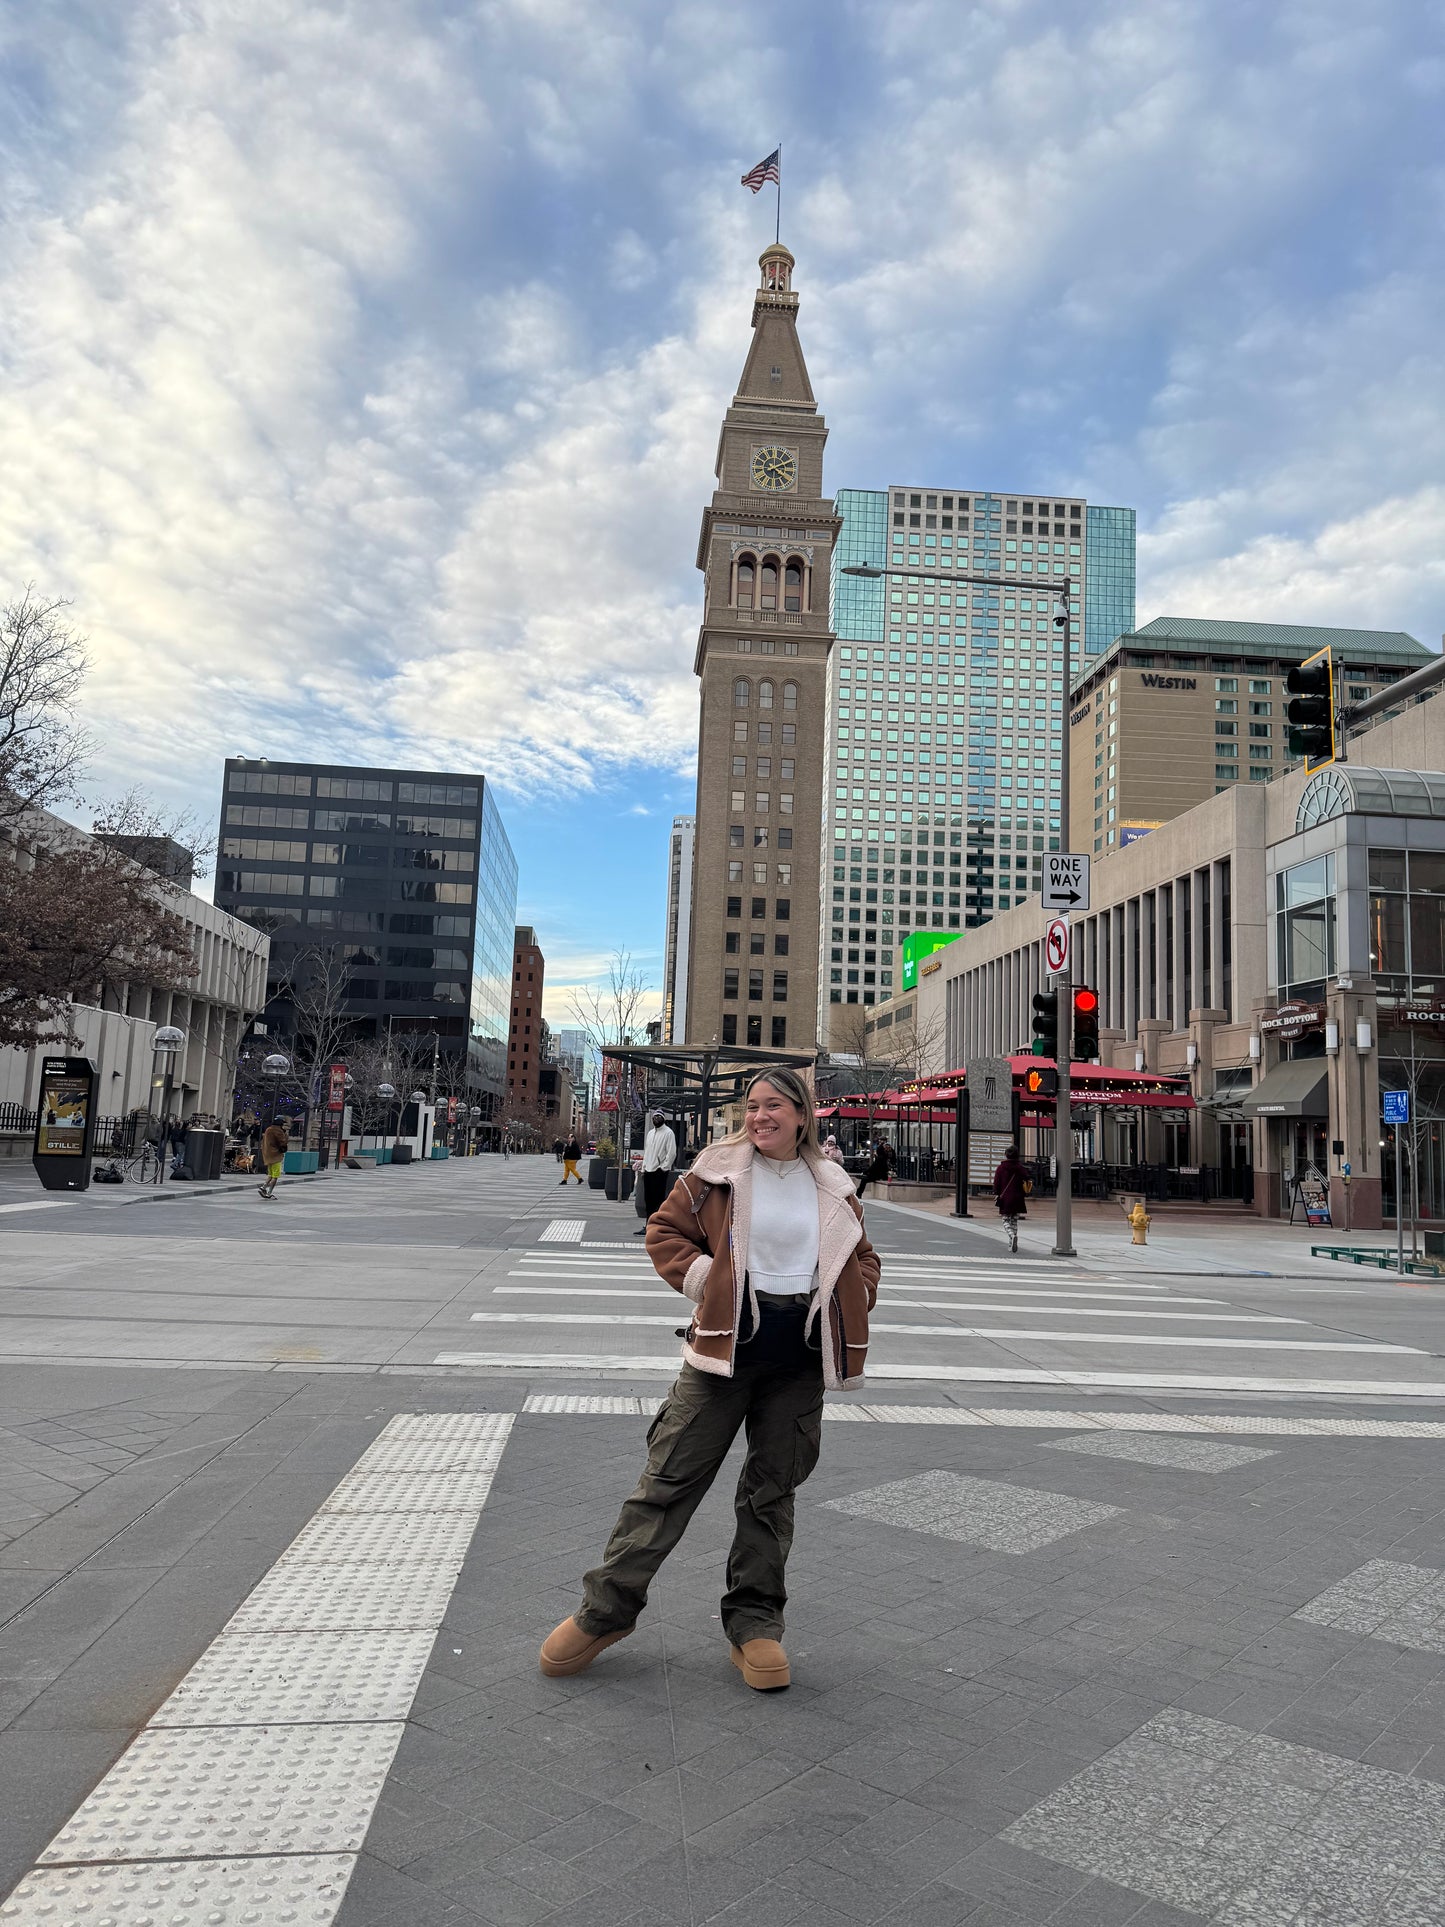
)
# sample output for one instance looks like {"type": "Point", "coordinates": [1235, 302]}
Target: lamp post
{"type": "Point", "coordinates": [1062, 589]}
{"type": "Point", "coordinates": [419, 1098]}
{"type": "Point", "coordinates": [169, 1039]}
{"type": "Point", "coordinates": [387, 1093]}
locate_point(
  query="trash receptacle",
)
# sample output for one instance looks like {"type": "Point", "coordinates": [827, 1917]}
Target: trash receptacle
{"type": "Point", "coordinates": [203, 1153]}
{"type": "Point", "coordinates": [401, 1154]}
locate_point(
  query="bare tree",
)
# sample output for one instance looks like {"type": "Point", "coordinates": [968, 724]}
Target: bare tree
{"type": "Point", "coordinates": [78, 916]}
{"type": "Point", "coordinates": [316, 984]}
{"type": "Point", "coordinates": [610, 1016]}
{"type": "Point", "coordinates": [42, 666]}
{"type": "Point", "coordinates": [872, 1069]}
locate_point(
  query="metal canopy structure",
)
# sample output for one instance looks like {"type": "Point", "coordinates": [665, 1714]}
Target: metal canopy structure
{"type": "Point", "coordinates": [700, 1078]}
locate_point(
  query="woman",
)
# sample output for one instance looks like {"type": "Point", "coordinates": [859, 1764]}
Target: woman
{"type": "Point", "coordinates": [274, 1145]}
{"type": "Point", "coordinates": [879, 1166]}
{"type": "Point", "coordinates": [766, 1239]}
{"type": "Point", "coordinates": [832, 1151]}
{"type": "Point", "coordinates": [1010, 1193]}
{"type": "Point", "coordinates": [571, 1151]}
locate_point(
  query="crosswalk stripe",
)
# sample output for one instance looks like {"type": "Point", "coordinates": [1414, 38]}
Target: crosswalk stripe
{"type": "Point", "coordinates": [923, 1304]}
{"type": "Point", "coordinates": [643, 1363]}
{"type": "Point", "coordinates": [1205, 1341]}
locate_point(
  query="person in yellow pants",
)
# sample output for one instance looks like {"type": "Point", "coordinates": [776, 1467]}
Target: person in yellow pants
{"type": "Point", "coordinates": [571, 1152]}
{"type": "Point", "coordinates": [274, 1146]}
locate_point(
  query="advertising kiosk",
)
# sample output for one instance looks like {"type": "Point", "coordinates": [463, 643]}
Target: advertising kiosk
{"type": "Point", "coordinates": [65, 1123]}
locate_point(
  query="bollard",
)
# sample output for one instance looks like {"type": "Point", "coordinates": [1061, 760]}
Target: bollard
{"type": "Point", "coordinates": [1139, 1222]}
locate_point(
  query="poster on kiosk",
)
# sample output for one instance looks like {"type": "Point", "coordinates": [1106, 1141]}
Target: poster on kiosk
{"type": "Point", "coordinates": [65, 1123]}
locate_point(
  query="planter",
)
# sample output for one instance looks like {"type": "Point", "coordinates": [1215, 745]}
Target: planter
{"type": "Point", "coordinates": [597, 1171]}
{"type": "Point", "coordinates": [611, 1183]}
{"type": "Point", "coordinates": [300, 1163]}
{"type": "Point", "coordinates": [401, 1153]}
{"type": "Point", "coordinates": [441, 1151]}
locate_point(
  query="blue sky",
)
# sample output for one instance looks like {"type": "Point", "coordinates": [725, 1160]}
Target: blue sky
{"type": "Point", "coordinates": [363, 364]}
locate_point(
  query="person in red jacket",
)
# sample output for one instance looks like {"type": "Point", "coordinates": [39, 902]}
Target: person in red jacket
{"type": "Point", "coordinates": [1010, 1194]}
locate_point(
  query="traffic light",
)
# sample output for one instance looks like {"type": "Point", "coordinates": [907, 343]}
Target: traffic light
{"type": "Point", "coordinates": [1086, 1025]}
{"type": "Point", "coordinates": [1046, 1023]}
{"type": "Point", "coordinates": [1312, 713]}
{"type": "Point", "coordinates": [1041, 1083]}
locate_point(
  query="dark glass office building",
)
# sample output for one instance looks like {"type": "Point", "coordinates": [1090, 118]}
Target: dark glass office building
{"type": "Point", "coordinates": [409, 872]}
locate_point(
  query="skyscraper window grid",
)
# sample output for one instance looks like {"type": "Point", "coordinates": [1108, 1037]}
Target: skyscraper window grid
{"type": "Point", "coordinates": [923, 835]}
{"type": "Point", "coordinates": [1109, 577]}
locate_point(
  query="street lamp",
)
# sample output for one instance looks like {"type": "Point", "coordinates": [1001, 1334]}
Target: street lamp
{"type": "Point", "coordinates": [387, 1092]}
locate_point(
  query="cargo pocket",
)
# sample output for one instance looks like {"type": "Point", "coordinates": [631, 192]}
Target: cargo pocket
{"type": "Point", "coordinates": [685, 1441]}
{"type": "Point", "coordinates": [807, 1443]}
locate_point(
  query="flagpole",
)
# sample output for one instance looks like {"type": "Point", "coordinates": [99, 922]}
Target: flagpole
{"type": "Point", "coordinates": [778, 229]}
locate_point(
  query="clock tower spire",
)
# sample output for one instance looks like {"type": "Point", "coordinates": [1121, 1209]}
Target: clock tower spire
{"type": "Point", "coordinates": [762, 659]}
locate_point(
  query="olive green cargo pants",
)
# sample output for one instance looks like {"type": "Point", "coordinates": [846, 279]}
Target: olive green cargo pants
{"type": "Point", "coordinates": [776, 1391]}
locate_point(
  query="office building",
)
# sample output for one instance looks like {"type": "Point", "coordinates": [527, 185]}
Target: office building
{"type": "Point", "coordinates": [945, 708]}
{"type": "Point", "coordinates": [405, 877]}
{"type": "Point", "coordinates": [762, 660]}
{"type": "Point", "coordinates": [1176, 711]}
{"type": "Point", "coordinates": [677, 944]}
{"type": "Point", "coordinates": [569, 1047]}
{"type": "Point", "coordinates": [524, 1042]}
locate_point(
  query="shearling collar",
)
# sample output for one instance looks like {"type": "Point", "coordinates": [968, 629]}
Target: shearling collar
{"type": "Point", "coordinates": [725, 1163]}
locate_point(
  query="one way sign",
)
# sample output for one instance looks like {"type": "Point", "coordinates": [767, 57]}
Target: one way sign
{"type": "Point", "coordinates": [1066, 882]}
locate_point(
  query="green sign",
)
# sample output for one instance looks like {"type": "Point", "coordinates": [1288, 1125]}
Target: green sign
{"type": "Point", "coordinates": [921, 945]}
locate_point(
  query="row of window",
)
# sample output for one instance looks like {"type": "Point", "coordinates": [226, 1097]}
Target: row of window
{"type": "Point", "coordinates": [733, 944]}
{"type": "Point", "coordinates": [782, 908]}
{"type": "Point", "coordinates": [755, 986]}
{"type": "Point", "coordinates": [786, 766]}
{"type": "Point", "coordinates": [762, 835]}
{"type": "Point", "coordinates": [359, 789]}
{"type": "Point", "coordinates": [743, 694]}
{"type": "Point", "coordinates": [754, 1033]}
{"type": "Point", "coordinates": [281, 883]}
{"type": "Point", "coordinates": [760, 873]}
{"type": "Point", "coordinates": [755, 583]}
{"type": "Point", "coordinates": [369, 856]}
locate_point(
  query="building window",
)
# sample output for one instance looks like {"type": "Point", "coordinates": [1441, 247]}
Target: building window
{"type": "Point", "coordinates": [785, 803]}
{"type": "Point", "coordinates": [790, 695]}
{"type": "Point", "coordinates": [746, 581]}
{"type": "Point", "coordinates": [1305, 924]}
{"type": "Point", "coordinates": [759, 906]}
{"type": "Point", "coordinates": [780, 1033]}
{"type": "Point", "coordinates": [741, 693]}
{"type": "Point", "coordinates": [735, 904]}
{"type": "Point", "coordinates": [790, 735]}
{"type": "Point", "coordinates": [755, 1030]}
{"type": "Point", "coordinates": [780, 946]}
{"type": "Point", "coordinates": [1226, 685]}
{"type": "Point", "coordinates": [785, 873]}
{"type": "Point", "coordinates": [782, 909]}
{"type": "Point", "coordinates": [740, 732]}
{"type": "Point", "coordinates": [760, 873]}
{"type": "Point", "coordinates": [761, 802]}
{"type": "Point", "coordinates": [755, 986]}
{"type": "Point", "coordinates": [738, 803]}
{"type": "Point", "coordinates": [768, 598]}
{"type": "Point", "coordinates": [785, 839]}
{"type": "Point", "coordinates": [730, 1028]}
{"type": "Point", "coordinates": [760, 836]}
{"type": "Point", "coordinates": [732, 943]}
{"type": "Point", "coordinates": [793, 585]}
{"type": "Point", "coordinates": [735, 871]}
{"type": "Point", "coordinates": [735, 836]}
{"type": "Point", "coordinates": [780, 986]}
{"type": "Point", "coordinates": [730, 986]}
{"type": "Point", "coordinates": [765, 695]}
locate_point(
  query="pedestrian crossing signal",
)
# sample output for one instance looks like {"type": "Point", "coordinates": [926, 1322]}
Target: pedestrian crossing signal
{"type": "Point", "coordinates": [1041, 1083]}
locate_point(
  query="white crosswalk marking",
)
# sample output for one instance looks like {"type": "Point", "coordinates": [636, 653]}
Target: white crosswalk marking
{"type": "Point", "coordinates": [925, 1304]}
{"type": "Point", "coordinates": [563, 1231]}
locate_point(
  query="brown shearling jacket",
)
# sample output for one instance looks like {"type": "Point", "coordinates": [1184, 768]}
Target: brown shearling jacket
{"type": "Point", "coordinates": [698, 1241]}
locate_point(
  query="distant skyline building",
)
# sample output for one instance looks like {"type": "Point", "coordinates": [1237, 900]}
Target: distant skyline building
{"type": "Point", "coordinates": [676, 947]}
{"type": "Point", "coordinates": [408, 872]}
{"type": "Point", "coordinates": [524, 1043]}
{"type": "Point", "coordinates": [946, 709]}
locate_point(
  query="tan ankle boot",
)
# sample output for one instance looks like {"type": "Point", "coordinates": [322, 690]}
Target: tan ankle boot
{"type": "Point", "coordinates": [763, 1665]}
{"type": "Point", "coordinates": [567, 1649]}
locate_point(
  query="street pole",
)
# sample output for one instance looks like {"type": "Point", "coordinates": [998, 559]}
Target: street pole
{"type": "Point", "coordinates": [1064, 983]}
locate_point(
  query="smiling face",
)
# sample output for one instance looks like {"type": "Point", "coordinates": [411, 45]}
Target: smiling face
{"type": "Point", "coordinates": [773, 1121]}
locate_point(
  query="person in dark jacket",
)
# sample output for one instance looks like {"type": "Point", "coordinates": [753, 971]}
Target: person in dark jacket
{"type": "Point", "coordinates": [274, 1146]}
{"type": "Point", "coordinates": [878, 1168]}
{"type": "Point", "coordinates": [1009, 1182]}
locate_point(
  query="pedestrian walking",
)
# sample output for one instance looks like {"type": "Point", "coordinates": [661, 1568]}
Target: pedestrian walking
{"type": "Point", "coordinates": [764, 1236]}
{"type": "Point", "coordinates": [878, 1166]}
{"type": "Point", "coordinates": [831, 1150]}
{"type": "Point", "coordinates": [557, 1149]}
{"type": "Point", "coordinates": [659, 1154]}
{"type": "Point", "coordinates": [274, 1145]}
{"type": "Point", "coordinates": [571, 1152]}
{"type": "Point", "coordinates": [1010, 1192]}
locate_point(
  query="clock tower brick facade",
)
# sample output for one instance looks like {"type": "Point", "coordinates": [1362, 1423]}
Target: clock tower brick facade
{"type": "Point", "coordinates": [762, 658]}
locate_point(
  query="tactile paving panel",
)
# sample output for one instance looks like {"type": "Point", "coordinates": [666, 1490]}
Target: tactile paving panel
{"type": "Point", "coordinates": [305, 1891]}
{"type": "Point", "coordinates": [290, 1679]}
{"type": "Point", "coordinates": [448, 1425]}
{"type": "Point", "coordinates": [429, 1455]}
{"type": "Point", "coordinates": [1178, 1455]}
{"type": "Point", "coordinates": [362, 1598]}
{"type": "Point", "coordinates": [597, 1407]}
{"type": "Point", "coordinates": [410, 1492]}
{"type": "Point", "coordinates": [241, 1790]}
{"type": "Point", "coordinates": [381, 1538]}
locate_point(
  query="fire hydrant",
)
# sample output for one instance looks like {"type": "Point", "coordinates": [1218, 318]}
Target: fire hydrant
{"type": "Point", "coordinates": [1139, 1222]}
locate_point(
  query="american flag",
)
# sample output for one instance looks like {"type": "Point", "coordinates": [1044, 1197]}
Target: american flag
{"type": "Point", "coordinates": [767, 170]}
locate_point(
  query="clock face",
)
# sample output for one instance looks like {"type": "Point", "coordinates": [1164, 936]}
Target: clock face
{"type": "Point", "coordinates": [774, 468]}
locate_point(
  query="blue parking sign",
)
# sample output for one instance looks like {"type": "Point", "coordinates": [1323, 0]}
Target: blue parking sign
{"type": "Point", "coordinates": [1397, 1106]}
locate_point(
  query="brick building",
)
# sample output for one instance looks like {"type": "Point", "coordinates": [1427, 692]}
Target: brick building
{"type": "Point", "coordinates": [524, 1042]}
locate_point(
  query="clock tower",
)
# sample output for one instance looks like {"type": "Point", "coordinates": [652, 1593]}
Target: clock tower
{"type": "Point", "coordinates": [762, 658]}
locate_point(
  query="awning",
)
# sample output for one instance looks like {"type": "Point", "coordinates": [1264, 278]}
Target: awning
{"type": "Point", "coordinates": [1295, 1089]}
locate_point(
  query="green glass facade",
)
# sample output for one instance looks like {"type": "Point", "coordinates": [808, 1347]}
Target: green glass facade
{"type": "Point", "coordinates": [1108, 577]}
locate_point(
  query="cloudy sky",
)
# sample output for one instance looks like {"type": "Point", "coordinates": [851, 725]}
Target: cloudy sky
{"type": "Point", "coordinates": [363, 363]}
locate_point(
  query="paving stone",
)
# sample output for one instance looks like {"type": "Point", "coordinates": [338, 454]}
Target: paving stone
{"type": "Point", "coordinates": [980, 1512]}
{"type": "Point", "coordinates": [1385, 1600]}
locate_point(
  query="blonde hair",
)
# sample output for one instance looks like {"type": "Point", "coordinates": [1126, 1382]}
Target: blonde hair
{"type": "Point", "coordinates": [788, 1084]}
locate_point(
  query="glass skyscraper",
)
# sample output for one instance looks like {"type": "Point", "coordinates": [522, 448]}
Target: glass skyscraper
{"type": "Point", "coordinates": [407, 873]}
{"type": "Point", "coordinates": [946, 704]}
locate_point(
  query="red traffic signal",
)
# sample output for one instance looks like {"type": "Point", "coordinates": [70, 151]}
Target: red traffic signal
{"type": "Point", "coordinates": [1041, 1083]}
{"type": "Point", "coordinates": [1086, 1001]}
{"type": "Point", "coordinates": [1086, 1025]}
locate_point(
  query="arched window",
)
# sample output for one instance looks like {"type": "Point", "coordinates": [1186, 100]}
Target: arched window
{"type": "Point", "coordinates": [768, 599]}
{"type": "Point", "coordinates": [790, 695]}
{"type": "Point", "coordinates": [741, 693]}
{"type": "Point", "coordinates": [793, 585]}
{"type": "Point", "coordinates": [747, 572]}
{"type": "Point", "coordinates": [765, 695]}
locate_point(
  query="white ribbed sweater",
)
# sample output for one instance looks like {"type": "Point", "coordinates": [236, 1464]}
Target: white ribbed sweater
{"type": "Point", "coordinates": [783, 1231]}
